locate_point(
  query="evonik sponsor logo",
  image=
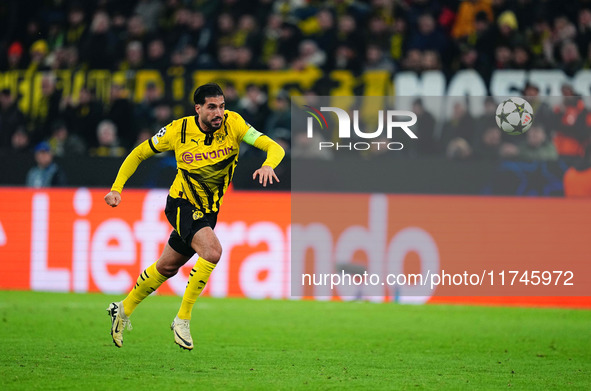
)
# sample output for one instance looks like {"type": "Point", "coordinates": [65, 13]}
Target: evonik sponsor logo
{"type": "Point", "coordinates": [189, 157]}
{"type": "Point", "coordinates": [392, 119]}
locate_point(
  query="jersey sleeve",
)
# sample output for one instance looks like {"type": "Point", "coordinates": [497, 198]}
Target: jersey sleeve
{"type": "Point", "coordinates": [162, 140]}
{"type": "Point", "coordinates": [245, 131]}
{"type": "Point", "coordinates": [275, 152]}
{"type": "Point", "coordinates": [131, 163]}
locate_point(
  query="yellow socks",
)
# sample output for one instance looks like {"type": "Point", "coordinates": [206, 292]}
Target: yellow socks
{"type": "Point", "coordinates": [147, 282]}
{"type": "Point", "coordinates": [197, 280]}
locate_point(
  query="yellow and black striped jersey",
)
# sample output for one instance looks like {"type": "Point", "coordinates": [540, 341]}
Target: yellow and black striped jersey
{"type": "Point", "coordinates": [205, 160]}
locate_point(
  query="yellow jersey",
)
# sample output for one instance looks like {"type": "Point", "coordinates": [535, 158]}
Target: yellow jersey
{"type": "Point", "coordinates": [205, 160]}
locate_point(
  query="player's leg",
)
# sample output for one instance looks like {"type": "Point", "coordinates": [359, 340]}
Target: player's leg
{"type": "Point", "coordinates": [148, 281]}
{"type": "Point", "coordinates": [207, 245]}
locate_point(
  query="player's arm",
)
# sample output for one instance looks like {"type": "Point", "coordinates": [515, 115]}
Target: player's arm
{"type": "Point", "coordinates": [275, 154]}
{"type": "Point", "coordinates": [130, 164]}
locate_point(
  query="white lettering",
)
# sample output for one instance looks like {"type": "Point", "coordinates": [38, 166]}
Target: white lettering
{"type": "Point", "coordinates": [261, 273]}
{"type": "Point", "coordinates": [44, 278]}
{"type": "Point", "coordinates": [413, 239]}
{"type": "Point", "coordinates": [105, 253]}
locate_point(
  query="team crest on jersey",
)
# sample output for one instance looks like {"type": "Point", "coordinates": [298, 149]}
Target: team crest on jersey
{"type": "Point", "coordinates": [161, 132]}
{"type": "Point", "coordinates": [219, 137]}
{"type": "Point", "coordinates": [197, 215]}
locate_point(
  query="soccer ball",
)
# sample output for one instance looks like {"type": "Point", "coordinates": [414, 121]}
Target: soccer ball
{"type": "Point", "coordinates": [514, 116]}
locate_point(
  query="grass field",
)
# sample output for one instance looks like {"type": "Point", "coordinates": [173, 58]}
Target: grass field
{"type": "Point", "coordinates": [62, 341]}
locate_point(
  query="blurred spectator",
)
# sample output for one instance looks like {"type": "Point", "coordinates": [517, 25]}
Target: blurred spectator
{"type": "Point", "coordinates": [489, 144]}
{"type": "Point", "coordinates": [33, 32]}
{"type": "Point", "coordinates": [231, 96]}
{"type": "Point", "coordinates": [460, 126]}
{"type": "Point", "coordinates": [413, 61]}
{"type": "Point", "coordinates": [577, 179]}
{"type": "Point", "coordinates": [470, 58]}
{"type": "Point", "coordinates": [277, 63]}
{"type": "Point", "coordinates": [458, 149]}
{"type": "Point", "coordinates": [487, 119]}
{"type": "Point", "coordinates": [46, 173]}
{"type": "Point", "coordinates": [225, 30]}
{"type": "Point", "coordinates": [46, 110]}
{"type": "Point", "coordinates": [428, 36]}
{"type": "Point", "coordinates": [377, 60]}
{"type": "Point", "coordinates": [82, 115]}
{"type": "Point", "coordinates": [347, 58]}
{"type": "Point", "coordinates": [15, 58]}
{"type": "Point", "coordinates": [156, 56]}
{"type": "Point", "coordinates": [55, 36]}
{"type": "Point", "coordinates": [253, 107]}
{"type": "Point", "coordinates": [326, 35]}
{"type": "Point", "coordinates": [584, 31]}
{"type": "Point", "coordinates": [134, 57]}
{"type": "Point", "coordinates": [136, 30]}
{"type": "Point", "coordinates": [77, 28]}
{"type": "Point", "coordinates": [142, 136]}
{"type": "Point", "coordinates": [39, 51]}
{"type": "Point", "coordinates": [521, 57]}
{"type": "Point", "coordinates": [426, 144]}
{"type": "Point", "coordinates": [484, 38]}
{"type": "Point", "coordinates": [570, 58]}
{"type": "Point", "coordinates": [536, 146]}
{"type": "Point", "coordinates": [289, 38]}
{"type": "Point", "coordinates": [542, 110]}
{"type": "Point", "coordinates": [509, 150]}
{"type": "Point", "coordinates": [11, 118]}
{"type": "Point", "coordinates": [63, 143]}
{"type": "Point", "coordinates": [310, 54]}
{"type": "Point", "coordinates": [538, 40]}
{"type": "Point", "coordinates": [430, 61]}
{"type": "Point", "coordinates": [162, 114]}
{"type": "Point", "coordinates": [108, 142]}
{"type": "Point", "coordinates": [398, 40]}
{"type": "Point", "coordinates": [503, 57]}
{"type": "Point", "coordinates": [379, 33]}
{"type": "Point", "coordinates": [98, 51]}
{"type": "Point", "coordinates": [508, 33]}
{"type": "Point", "coordinates": [144, 116]}
{"type": "Point", "coordinates": [270, 37]}
{"type": "Point", "coordinates": [572, 134]}
{"type": "Point", "coordinates": [280, 116]}
{"type": "Point", "coordinates": [465, 23]}
{"type": "Point", "coordinates": [246, 60]}
{"type": "Point", "coordinates": [20, 140]}
{"type": "Point", "coordinates": [247, 34]}
{"type": "Point", "coordinates": [348, 34]}
{"type": "Point", "coordinates": [226, 57]}
{"type": "Point", "coordinates": [148, 11]}
{"type": "Point", "coordinates": [119, 113]}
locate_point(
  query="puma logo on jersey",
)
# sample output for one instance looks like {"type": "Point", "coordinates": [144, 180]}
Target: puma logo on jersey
{"type": "Point", "coordinates": [195, 141]}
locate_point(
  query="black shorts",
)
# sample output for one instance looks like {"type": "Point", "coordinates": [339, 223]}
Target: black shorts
{"type": "Point", "coordinates": [186, 220]}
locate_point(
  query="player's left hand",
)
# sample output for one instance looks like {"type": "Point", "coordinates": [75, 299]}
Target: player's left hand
{"type": "Point", "coordinates": [265, 174]}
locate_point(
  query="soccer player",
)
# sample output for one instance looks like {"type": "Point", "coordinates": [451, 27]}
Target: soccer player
{"type": "Point", "coordinates": [206, 150]}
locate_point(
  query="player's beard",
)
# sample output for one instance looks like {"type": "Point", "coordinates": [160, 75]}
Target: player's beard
{"type": "Point", "coordinates": [210, 125]}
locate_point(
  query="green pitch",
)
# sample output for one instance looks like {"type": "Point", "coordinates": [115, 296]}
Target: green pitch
{"type": "Point", "coordinates": [62, 341]}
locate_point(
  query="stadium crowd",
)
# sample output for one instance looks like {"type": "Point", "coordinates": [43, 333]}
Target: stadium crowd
{"type": "Point", "coordinates": [354, 35]}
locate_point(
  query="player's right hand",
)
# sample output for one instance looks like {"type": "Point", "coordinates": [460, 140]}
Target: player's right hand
{"type": "Point", "coordinates": [113, 198]}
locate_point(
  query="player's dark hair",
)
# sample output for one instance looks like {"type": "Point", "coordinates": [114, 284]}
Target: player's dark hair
{"type": "Point", "coordinates": [206, 91]}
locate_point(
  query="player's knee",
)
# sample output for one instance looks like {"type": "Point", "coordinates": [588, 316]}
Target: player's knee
{"type": "Point", "coordinates": [167, 270]}
{"type": "Point", "coordinates": [212, 254]}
